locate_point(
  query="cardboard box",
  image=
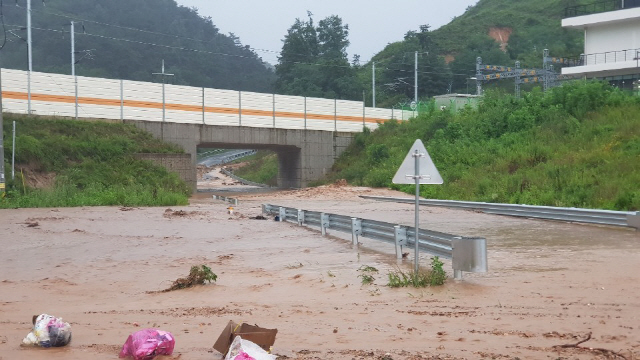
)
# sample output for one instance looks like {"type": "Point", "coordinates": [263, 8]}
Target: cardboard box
{"type": "Point", "coordinates": [263, 337]}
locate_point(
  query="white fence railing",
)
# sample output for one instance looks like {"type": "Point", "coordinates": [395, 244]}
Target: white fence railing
{"type": "Point", "coordinates": [55, 94]}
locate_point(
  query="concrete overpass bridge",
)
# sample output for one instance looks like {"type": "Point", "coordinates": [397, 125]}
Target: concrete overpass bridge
{"type": "Point", "coordinates": [307, 134]}
{"type": "Point", "coordinates": [303, 155]}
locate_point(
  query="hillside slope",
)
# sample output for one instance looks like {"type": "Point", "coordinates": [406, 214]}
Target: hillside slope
{"type": "Point", "coordinates": [128, 40]}
{"type": "Point", "coordinates": [531, 26]}
{"type": "Point", "coordinates": [578, 145]}
{"type": "Point", "coordinates": [77, 163]}
{"type": "Point", "coordinates": [499, 31]}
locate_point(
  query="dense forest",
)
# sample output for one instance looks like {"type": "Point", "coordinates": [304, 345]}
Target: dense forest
{"type": "Point", "coordinates": [126, 39]}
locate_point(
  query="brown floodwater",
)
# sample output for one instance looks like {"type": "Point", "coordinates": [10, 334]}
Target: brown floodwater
{"type": "Point", "coordinates": [549, 283]}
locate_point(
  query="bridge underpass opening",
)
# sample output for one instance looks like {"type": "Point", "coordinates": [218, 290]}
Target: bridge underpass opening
{"type": "Point", "coordinates": [255, 166]}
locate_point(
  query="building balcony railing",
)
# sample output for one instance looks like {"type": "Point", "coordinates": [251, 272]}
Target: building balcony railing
{"type": "Point", "coordinates": [600, 7]}
{"type": "Point", "coordinates": [606, 58]}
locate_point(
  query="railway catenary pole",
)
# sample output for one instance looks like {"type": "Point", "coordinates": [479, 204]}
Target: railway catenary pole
{"type": "Point", "coordinates": [164, 75]}
{"type": "Point", "coordinates": [363, 109]}
{"type": "Point", "coordinates": [29, 56]}
{"type": "Point", "coordinates": [73, 65]}
{"type": "Point", "coordinates": [415, 80]}
{"type": "Point", "coordinates": [373, 85]}
{"type": "Point", "coordinates": [2, 176]}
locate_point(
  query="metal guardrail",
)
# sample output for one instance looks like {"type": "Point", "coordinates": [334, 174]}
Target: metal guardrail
{"type": "Point", "coordinates": [467, 253]}
{"type": "Point", "coordinates": [593, 8]}
{"type": "Point", "coordinates": [591, 216]}
{"type": "Point", "coordinates": [230, 158]}
{"type": "Point", "coordinates": [207, 153]}
{"type": "Point", "coordinates": [627, 55]}
{"type": "Point", "coordinates": [244, 181]}
{"type": "Point", "coordinates": [232, 201]}
{"type": "Point", "coordinates": [600, 7]}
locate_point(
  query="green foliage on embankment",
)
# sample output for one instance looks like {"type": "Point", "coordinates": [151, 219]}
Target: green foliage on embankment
{"type": "Point", "coordinates": [262, 168]}
{"type": "Point", "coordinates": [578, 145]}
{"type": "Point", "coordinates": [76, 163]}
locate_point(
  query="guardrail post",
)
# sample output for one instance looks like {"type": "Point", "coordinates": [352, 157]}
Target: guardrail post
{"type": "Point", "coordinates": [283, 214]}
{"type": "Point", "coordinates": [300, 217]}
{"type": "Point", "coordinates": [468, 254]}
{"type": "Point", "coordinates": [633, 220]}
{"type": "Point", "coordinates": [400, 236]}
{"type": "Point", "coordinates": [356, 230]}
{"type": "Point", "coordinates": [324, 223]}
{"type": "Point", "coordinates": [264, 209]}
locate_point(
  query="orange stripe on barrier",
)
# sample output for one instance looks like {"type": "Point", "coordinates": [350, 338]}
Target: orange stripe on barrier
{"type": "Point", "coordinates": [180, 107]}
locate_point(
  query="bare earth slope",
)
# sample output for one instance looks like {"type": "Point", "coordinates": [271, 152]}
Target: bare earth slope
{"type": "Point", "coordinates": [549, 283]}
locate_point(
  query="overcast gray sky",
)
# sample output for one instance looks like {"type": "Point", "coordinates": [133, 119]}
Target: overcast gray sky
{"type": "Point", "coordinates": [373, 24]}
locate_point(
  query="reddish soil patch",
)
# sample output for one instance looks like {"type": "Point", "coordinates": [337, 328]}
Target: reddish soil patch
{"type": "Point", "coordinates": [449, 58]}
{"type": "Point", "coordinates": [501, 35]}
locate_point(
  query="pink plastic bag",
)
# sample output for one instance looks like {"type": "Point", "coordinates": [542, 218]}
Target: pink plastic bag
{"type": "Point", "coordinates": [243, 356]}
{"type": "Point", "coordinates": [147, 344]}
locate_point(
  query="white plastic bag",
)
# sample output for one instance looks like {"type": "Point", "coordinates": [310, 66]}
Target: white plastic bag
{"type": "Point", "coordinates": [240, 346]}
{"type": "Point", "coordinates": [48, 331]}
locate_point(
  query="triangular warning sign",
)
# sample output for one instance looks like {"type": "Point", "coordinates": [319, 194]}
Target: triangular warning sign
{"type": "Point", "coordinates": [427, 170]}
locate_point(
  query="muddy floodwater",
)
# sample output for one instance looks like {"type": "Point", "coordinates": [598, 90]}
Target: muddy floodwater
{"type": "Point", "coordinates": [549, 283]}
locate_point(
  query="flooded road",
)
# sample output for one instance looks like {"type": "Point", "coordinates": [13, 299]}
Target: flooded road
{"type": "Point", "coordinates": [548, 284]}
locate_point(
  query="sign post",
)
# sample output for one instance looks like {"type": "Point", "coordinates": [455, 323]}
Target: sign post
{"type": "Point", "coordinates": [417, 168]}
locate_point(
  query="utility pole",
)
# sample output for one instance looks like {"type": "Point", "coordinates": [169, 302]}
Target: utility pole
{"type": "Point", "coordinates": [373, 85]}
{"type": "Point", "coordinates": [73, 64]}
{"type": "Point", "coordinates": [363, 109]}
{"type": "Point", "coordinates": [164, 75]}
{"type": "Point", "coordinates": [29, 55]}
{"type": "Point", "coordinates": [415, 87]}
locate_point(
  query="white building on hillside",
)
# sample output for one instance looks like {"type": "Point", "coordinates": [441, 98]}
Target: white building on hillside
{"type": "Point", "coordinates": [611, 41]}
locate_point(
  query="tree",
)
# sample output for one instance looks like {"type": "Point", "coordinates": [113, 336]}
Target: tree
{"type": "Point", "coordinates": [314, 61]}
{"type": "Point", "coordinates": [300, 48]}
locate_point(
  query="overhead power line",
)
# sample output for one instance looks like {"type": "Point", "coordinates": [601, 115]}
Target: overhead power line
{"type": "Point", "coordinates": [186, 49]}
{"type": "Point", "coordinates": [219, 53]}
{"type": "Point", "coordinates": [145, 31]}
{"type": "Point", "coordinates": [176, 47]}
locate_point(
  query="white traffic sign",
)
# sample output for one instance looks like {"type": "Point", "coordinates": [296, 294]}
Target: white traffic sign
{"type": "Point", "coordinates": [428, 173]}
{"type": "Point", "coordinates": [413, 105]}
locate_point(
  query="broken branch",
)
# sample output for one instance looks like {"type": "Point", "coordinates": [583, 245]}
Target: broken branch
{"type": "Point", "coordinates": [604, 351]}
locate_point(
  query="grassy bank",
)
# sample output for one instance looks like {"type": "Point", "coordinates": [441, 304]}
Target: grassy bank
{"type": "Point", "coordinates": [578, 145]}
{"type": "Point", "coordinates": [261, 168]}
{"type": "Point", "coordinates": [76, 163]}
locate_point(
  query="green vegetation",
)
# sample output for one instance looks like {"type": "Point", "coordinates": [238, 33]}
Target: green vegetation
{"type": "Point", "coordinates": [198, 275]}
{"type": "Point", "coordinates": [121, 34]}
{"type": "Point", "coordinates": [304, 48]}
{"type": "Point", "coordinates": [577, 146]}
{"type": "Point", "coordinates": [262, 168]}
{"type": "Point", "coordinates": [499, 31]}
{"type": "Point", "coordinates": [76, 163]}
{"type": "Point", "coordinates": [526, 28]}
{"type": "Point", "coordinates": [423, 278]}
{"type": "Point", "coordinates": [367, 274]}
